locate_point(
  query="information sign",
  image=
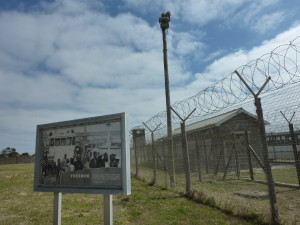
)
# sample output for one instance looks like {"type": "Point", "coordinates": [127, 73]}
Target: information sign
{"type": "Point", "coordinates": [83, 156]}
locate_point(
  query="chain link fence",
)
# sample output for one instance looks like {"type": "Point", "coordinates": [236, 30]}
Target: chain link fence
{"type": "Point", "coordinates": [235, 144]}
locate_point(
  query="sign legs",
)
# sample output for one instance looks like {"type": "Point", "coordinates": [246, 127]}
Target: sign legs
{"type": "Point", "coordinates": [108, 210]}
{"type": "Point", "coordinates": [57, 206]}
{"type": "Point", "coordinates": [57, 203]}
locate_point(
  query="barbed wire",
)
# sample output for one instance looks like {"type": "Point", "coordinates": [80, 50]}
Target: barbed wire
{"type": "Point", "coordinates": [281, 65]}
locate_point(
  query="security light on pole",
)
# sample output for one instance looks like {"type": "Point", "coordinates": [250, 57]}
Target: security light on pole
{"type": "Point", "coordinates": [164, 24]}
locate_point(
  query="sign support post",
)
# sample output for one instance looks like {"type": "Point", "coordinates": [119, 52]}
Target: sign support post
{"type": "Point", "coordinates": [108, 210]}
{"type": "Point", "coordinates": [57, 203]}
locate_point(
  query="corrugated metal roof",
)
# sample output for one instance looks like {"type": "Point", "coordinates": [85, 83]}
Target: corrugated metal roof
{"type": "Point", "coordinates": [214, 121]}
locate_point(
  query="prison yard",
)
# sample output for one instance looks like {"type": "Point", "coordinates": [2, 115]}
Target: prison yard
{"type": "Point", "coordinates": [221, 161]}
{"type": "Point", "coordinates": [215, 202]}
{"type": "Point", "coordinates": [235, 144]}
{"type": "Point", "coordinates": [146, 205]}
{"type": "Point", "coordinates": [242, 197]}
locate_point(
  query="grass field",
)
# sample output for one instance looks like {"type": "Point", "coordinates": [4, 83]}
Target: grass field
{"type": "Point", "coordinates": [146, 204]}
{"type": "Point", "coordinates": [219, 193]}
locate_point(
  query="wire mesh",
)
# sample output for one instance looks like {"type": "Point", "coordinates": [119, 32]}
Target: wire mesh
{"type": "Point", "coordinates": [226, 164]}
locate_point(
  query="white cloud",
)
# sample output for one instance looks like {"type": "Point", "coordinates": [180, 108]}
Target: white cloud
{"type": "Point", "coordinates": [72, 7]}
{"type": "Point", "coordinates": [214, 55]}
{"type": "Point", "coordinates": [86, 48]}
{"type": "Point", "coordinates": [65, 64]}
{"type": "Point", "coordinates": [253, 10]}
{"type": "Point", "coordinates": [197, 12]}
{"type": "Point", "coordinates": [227, 64]}
{"type": "Point", "coordinates": [185, 44]}
{"type": "Point", "coordinates": [268, 22]}
{"type": "Point", "coordinates": [43, 90]}
{"type": "Point", "coordinates": [246, 13]}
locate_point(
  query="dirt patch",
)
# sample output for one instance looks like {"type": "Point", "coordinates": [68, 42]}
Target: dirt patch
{"type": "Point", "coordinates": [252, 194]}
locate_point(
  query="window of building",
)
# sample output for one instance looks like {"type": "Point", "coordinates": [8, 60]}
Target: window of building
{"type": "Point", "coordinates": [69, 141]}
{"type": "Point", "coordinates": [277, 138]}
{"type": "Point", "coordinates": [63, 141]}
{"type": "Point", "coordinates": [57, 141]}
{"type": "Point", "coordinates": [52, 142]}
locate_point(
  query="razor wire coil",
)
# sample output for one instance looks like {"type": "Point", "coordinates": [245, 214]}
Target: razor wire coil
{"type": "Point", "coordinates": [281, 65]}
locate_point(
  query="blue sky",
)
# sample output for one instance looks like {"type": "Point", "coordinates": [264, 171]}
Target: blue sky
{"type": "Point", "coordinates": [63, 60]}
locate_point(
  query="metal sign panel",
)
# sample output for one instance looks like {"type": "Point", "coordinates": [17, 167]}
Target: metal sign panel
{"type": "Point", "coordinates": [88, 155]}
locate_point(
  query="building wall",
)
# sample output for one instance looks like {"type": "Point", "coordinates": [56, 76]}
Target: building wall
{"type": "Point", "coordinates": [217, 147]}
{"type": "Point", "coordinates": [220, 146]}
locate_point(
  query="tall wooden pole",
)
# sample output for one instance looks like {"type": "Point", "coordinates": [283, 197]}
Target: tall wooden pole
{"type": "Point", "coordinates": [164, 24]}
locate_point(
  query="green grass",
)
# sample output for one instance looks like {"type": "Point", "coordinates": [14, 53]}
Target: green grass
{"type": "Point", "coordinates": [219, 193]}
{"type": "Point", "coordinates": [285, 175]}
{"type": "Point", "coordinates": [146, 205]}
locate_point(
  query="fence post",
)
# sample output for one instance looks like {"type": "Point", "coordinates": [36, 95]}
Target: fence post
{"type": "Point", "coordinates": [294, 144]}
{"type": "Point", "coordinates": [272, 193]}
{"type": "Point", "coordinates": [141, 154]}
{"type": "Point", "coordinates": [133, 133]}
{"type": "Point", "coordinates": [236, 156]}
{"type": "Point", "coordinates": [249, 156]}
{"type": "Point", "coordinates": [153, 151]}
{"type": "Point", "coordinates": [223, 153]}
{"type": "Point", "coordinates": [165, 163]}
{"type": "Point", "coordinates": [198, 156]}
{"type": "Point", "coordinates": [267, 166]}
{"type": "Point", "coordinates": [136, 158]}
{"type": "Point", "coordinates": [296, 156]}
{"type": "Point", "coordinates": [186, 157]}
{"type": "Point", "coordinates": [205, 153]}
{"type": "Point", "coordinates": [154, 158]}
{"type": "Point", "coordinates": [149, 155]}
{"type": "Point", "coordinates": [274, 151]}
{"type": "Point", "coordinates": [185, 150]}
{"type": "Point", "coordinates": [219, 144]}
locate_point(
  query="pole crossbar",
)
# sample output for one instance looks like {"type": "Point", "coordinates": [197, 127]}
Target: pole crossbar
{"type": "Point", "coordinates": [152, 131]}
{"type": "Point", "coordinates": [249, 88]}
{"type": "Point", "coordinates": [289, 121]}
{"type": "Point", "coordinates": [177, 114]}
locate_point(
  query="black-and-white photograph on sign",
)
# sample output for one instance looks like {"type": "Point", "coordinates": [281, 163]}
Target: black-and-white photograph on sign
{"type": "Point", "coordinates": [86, 153]}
